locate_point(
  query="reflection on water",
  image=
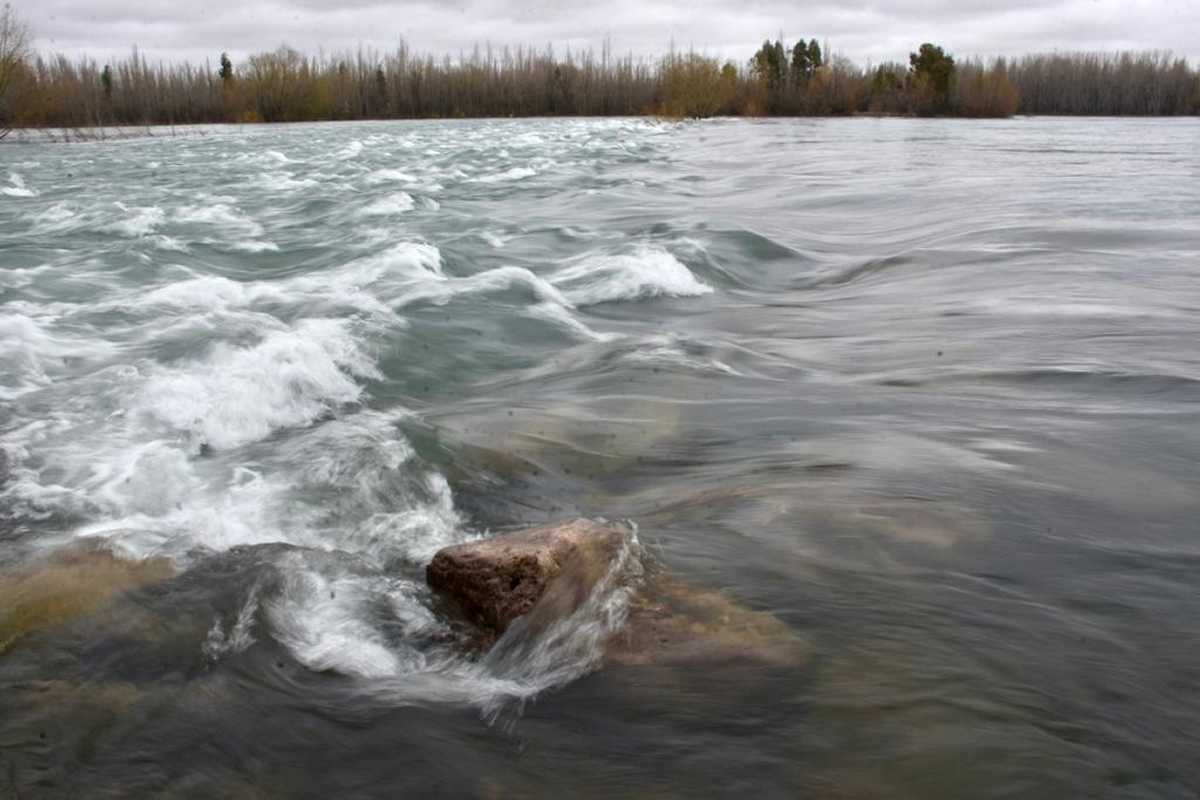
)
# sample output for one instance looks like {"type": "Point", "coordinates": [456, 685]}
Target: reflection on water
{"type": "Point", "coordinates": [905, 412]}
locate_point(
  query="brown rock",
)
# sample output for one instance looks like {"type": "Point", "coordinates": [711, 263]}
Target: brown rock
{"type": "Point", "coordinates": [69, 584]}
{"type": "Point", "coordinates": [554, 567]}
{"type": "Point", "coordinates": [543, 575]}
{"type": "Point", "coordinates": [672, 621]}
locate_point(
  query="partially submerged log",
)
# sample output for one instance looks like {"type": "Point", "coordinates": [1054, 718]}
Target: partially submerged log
{"type": "Point", "coordinates": [540, 576]}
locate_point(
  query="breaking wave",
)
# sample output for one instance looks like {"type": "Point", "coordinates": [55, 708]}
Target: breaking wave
{"type": "Point", "coordinates": [645, 273]}
{"type": "Point", "coordinates": [398, 203]}
{"type": "Point", "coordinates": [238, 395]}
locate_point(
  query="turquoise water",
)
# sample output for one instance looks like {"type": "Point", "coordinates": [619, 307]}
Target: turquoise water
{"type": "Point", "coordinates": [926, 391]}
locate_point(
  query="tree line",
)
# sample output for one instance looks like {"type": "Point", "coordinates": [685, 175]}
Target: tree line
{"type": "Point", "coordinates": [1106, 83]}
{"type": "Point", "coordinates": [284, 85]}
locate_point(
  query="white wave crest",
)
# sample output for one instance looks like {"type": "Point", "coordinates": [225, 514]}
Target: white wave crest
{"type": "Point", "coordinates": [363, 284]}
{"type": "Point", "coordinates": [389, 176]}
{"type": "Point", "coordinates": [561, 317]}
{"type": "Point", "coordinates": [371, 282]}
{"type": "Point", "coordinates": [513, 174]}
{"type": "Point", "coordinates": [203, 292]}
{"type": "Point", "coordinates": [250, 246]}
{"type": "Point", "coordinates": [54, 216]}
{"type": "Point", "coordinates": [393, 204]}
{"type": "Point", "coordinates": [31, 355]}
{"type": "Point", "coordinates": [284, 182]}
{"type": "Point", "coordinates": [168, 243]}
{"type": "Point", "coordinates": [325, 621]}
{"type": "Point", "coordinates": [140, 222]}
{"type": "Point", "coordinates": [265, 158]}
{"type": "Point", "coordinates": [493, 239]}
{"type": "Point", "coordinates": [219, 215]}
{"type": "Point", "coordinates": [645, 273]}
{"type": "Point", "coordinates": [492, 281]}
{"type": "Point", "coordinates": [18, 187]}
{"type": "Point", "coordinates": [240, 395]}
{"type": "Point", "coordinates": [352, 150]}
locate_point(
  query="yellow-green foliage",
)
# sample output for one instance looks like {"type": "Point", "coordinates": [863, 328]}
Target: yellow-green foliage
{"type": "Point", "coordinates": [70, 584]}
{"type": "Point", "coordinates": [985, 92]}
{"type": "Point", "coordinates": [835, 88]}
{"type": "Point", "coordinates": [696, 86]}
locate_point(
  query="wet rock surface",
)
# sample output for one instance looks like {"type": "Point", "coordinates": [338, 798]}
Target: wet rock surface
{"type": "Point", "coordinates": [540, 576]}
{"type": "Point", "coordinates": [70, 584]}
{"type": "Point", "coordinates": [672, 621]}
{"type": "Point", "coordinates": [554, 567]}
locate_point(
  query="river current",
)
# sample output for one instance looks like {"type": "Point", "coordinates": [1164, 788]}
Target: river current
{"type": "Point", "coordinates": [927, 392]}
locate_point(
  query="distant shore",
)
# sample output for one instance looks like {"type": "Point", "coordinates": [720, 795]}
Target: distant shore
{"type": "Point", "coordinates": [801, 79]}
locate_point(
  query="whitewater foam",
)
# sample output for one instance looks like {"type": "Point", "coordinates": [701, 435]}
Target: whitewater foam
{"type": "Point", "coordinates": [363, 285]}
{"type": "Point", "coordinates": [561, 317]}
{"type": "Point", "coordinates": [398, 203]}
{"type": "Point", "coordinates": [645, 273]}
{"type": "Point", "coordinates": [389, 176]}
{"type": "Point", "coordinates": [675, 351]}
{"type": "Point", "coordinates": [169, 244]}
{"type": "Point", "coordinates": [490, 282]}
{"type": "Point", "coordinates": [352, 150]}
{"type": "Point", "coordinates": [219, 215]}
{"type": "Point", "coordinates": [238, 395]}
{"type": "Point", "coordinates": [493, 239]}
{"type": "Point", "coordinates": [284, 182]}
{"type": "Point", "coordinates": [220, 643]}
{"type": "Point", "coordinates": [31, 355]}
{"type": "Point", "coordinates": [17, 187]}
{"type": "Point", "coordinates": [54, 216]}
{"type": "Point", "coordinates": [324, 615]}
{"type": "Point", "coordinates": [140, 222]}
{"type": "Point", "coordinates": [248, 246]}
{"type": "Point", "coordinates": [513, 174]}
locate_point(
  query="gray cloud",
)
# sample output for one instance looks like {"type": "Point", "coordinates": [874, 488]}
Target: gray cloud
{"type": "Point", "coordinates": [860, 29]}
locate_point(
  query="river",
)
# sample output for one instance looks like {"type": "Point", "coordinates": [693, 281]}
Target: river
{"type": "Point", "coordinates": [926, 392]}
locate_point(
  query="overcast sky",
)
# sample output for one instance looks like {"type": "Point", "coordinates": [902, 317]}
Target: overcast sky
{"type": "Point", "coordinates": [861, 29]}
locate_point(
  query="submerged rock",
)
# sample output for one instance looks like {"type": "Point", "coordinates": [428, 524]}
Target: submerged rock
{"type": "Point", "coordinates": [553, 567]}
{"type": "Point", "coordinates": [69, 584]}
{"type": "Point", "coordinates": [534, 578]}
{"type": "Point", "coordinates": [672, 621]}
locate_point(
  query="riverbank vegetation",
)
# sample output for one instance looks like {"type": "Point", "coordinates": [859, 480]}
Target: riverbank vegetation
{"type": "Point", "coordinates": [803, 79]}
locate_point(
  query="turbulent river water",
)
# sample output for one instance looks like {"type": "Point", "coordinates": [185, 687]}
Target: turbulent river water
{"type": "Point", "coordinates": [925, 391]}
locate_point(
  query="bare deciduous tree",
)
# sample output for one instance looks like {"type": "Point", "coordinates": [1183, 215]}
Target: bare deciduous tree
{"type": "Point", "coordinates": [286, 85]}
{"type": "Point", "coordinates": [14, 49]}
{"type": "Point", "coordinates": [1149, 83]}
